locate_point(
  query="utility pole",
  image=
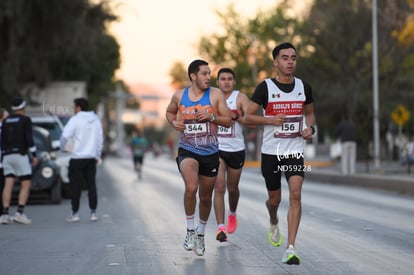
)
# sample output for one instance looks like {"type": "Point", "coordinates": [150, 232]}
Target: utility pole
{"type": "Point", "coordinates": [375, 85]}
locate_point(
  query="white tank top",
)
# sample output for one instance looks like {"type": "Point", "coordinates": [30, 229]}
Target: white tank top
{"type": "Point", "coordinates": [285, 139]}
{"type": "Point", "coordinates": [231, 139]}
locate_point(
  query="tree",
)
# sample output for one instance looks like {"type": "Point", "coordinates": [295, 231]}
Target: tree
{"type": "Point", "coordinates": [336, 58]}
{"type": "Point", "coordinates": [245, 45]}
{"type": "Point", "coordinates": [179, 76]}
{"type": "Point", "coordinates": [45, 40]}
{"type": "Point", "coordinates": [334, 45]}
{"type": "Point", "coordinates": [338, 39]}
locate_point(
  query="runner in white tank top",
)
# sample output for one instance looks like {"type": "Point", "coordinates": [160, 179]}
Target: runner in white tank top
{"type": "Point", "coordinates": [231, 139]}
{"type": "Point", "coordinates": [232, 154]}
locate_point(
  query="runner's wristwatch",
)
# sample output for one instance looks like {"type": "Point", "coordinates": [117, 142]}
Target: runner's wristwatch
{"type": "Point", "coordinates": [313, 129]}
{"type": "Point", "coordinates": [213, 117]}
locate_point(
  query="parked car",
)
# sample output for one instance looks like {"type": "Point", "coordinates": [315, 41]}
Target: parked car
{"type": "Point", "coordinates": [45, 176]}
{"type": "Point", "coordinates": [51, 123]}
{"type": "Point", "coordinates": [64, 119]}
{"type": "Point", "coordinates": [54, 125]}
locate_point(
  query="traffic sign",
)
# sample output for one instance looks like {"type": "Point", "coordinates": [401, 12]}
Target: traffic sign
{"type": "Point", "coordinates": [400, 115]}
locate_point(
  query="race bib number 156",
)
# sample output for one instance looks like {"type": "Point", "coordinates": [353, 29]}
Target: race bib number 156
{"type": "Point", "coordinates": [291, 128]}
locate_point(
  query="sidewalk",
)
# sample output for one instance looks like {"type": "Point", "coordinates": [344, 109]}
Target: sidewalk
{"type": "Point", "coordinates": [392, 175]}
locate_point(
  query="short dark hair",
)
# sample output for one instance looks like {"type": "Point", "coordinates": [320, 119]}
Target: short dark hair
{"type": "Point", "coordinates": [81, 102]}
{"type": "Point", "coordinates": [194, 67]}
{"type": "Point", "coordinates": [282, 46]}
{"type": "Point", "coordinates": [226, 70]}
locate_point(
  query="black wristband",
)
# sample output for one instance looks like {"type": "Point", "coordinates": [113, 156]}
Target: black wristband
{"type": "Point", "coordinates": [34, 154]}
{"type": "Point", "coordinates": [313, 129]}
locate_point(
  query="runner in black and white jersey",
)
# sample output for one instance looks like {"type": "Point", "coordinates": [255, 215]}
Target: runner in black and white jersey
{"type": "Point", "coordinates": [19, 154]}
{"type": "Point", "coordinates": [288, 120]}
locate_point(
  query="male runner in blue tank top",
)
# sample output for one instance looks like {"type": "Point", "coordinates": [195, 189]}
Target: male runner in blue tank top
{"type": "Point", "coordinates": [195, 112]}
{"type": "Point", "coordinates": [286, 102]}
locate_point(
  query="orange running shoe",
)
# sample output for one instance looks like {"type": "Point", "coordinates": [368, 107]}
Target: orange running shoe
{"type": "Point", "coordinates": [221, 234]}
{"type": "Point", "coordinates": [232, 223]}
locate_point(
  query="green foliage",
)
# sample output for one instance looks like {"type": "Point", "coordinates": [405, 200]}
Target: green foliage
{"type": "Point", "coordinates": [179, 76]}
{"type": "Point", "coordinates": [246, 44]}
{"type": "Point", "coordinates": [46, 40]}
{"type": "Point", "coordinates": [334, 44]}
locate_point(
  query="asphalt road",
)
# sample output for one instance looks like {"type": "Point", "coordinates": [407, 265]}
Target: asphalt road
{"type": "Point", "coordinates": [344, 230]}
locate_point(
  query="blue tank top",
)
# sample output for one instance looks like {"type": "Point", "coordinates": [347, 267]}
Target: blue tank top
{"type": "Point", "coordinates": [199, 137]}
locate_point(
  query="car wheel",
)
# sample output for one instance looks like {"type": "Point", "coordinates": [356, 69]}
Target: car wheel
{"type": "Point", "coordinates": [56, 192]}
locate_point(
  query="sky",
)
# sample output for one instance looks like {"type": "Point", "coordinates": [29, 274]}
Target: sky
{"type": "Point", "coordinates": [154, 34]}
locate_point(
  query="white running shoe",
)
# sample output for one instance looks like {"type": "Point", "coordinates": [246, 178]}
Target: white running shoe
{"type": "Point", "coordinates": [93, 218]}
{"type": "Point", "coordinates": [274, 236]}
{"type": "Point", "coordinates": [290, 257]}
{"type": "Point", "coordinates": [6, 219]}
{"type": "Point", "coordinates": [21, 218]}
{"type": "Point", "coordinates": [189, 241]}
{"type": "Point", "coordinates": [73, 218]}
{"type": "Point", "coordinates": [199, 245]}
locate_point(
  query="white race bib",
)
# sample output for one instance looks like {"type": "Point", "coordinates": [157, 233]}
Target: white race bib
{"type": "Point", "coordinates": [193, 127]}
{"type": "Point", "coordinates": [292, 127]}
{"type": "Point", "coordinates": [226, 132]}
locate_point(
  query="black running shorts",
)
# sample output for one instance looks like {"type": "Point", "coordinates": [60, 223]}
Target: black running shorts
{"type": "Point", "coordinates": [207, 165]}
{"type": "Point", "coordinates": [234, 160]}
{"type": "Point", "coordinates": [272, 167]}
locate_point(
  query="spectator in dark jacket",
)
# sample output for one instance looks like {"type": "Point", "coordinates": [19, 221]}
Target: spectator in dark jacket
{"type": "Point", "coordinates": [18, 150]}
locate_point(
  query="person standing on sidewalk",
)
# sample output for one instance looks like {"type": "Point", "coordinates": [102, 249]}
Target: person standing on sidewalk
{"type": "Point", "coordinates": [232, 154]}
{"type": "Point", "coordinates": [16, 145]}
{"type": "Point", "coordinates": [285, 101]}
{"type": "Point", "coordinates": [84, 129]}
{"type": "Point", "coordinates": [195, 112]}
{"type": "Point", "coordinates": [3, 115]}
{"type": "Point", "coordinates": [347, 133]}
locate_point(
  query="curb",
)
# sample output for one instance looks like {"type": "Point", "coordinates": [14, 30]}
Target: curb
{"type": "Point", "coordinates": [373, 181]}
